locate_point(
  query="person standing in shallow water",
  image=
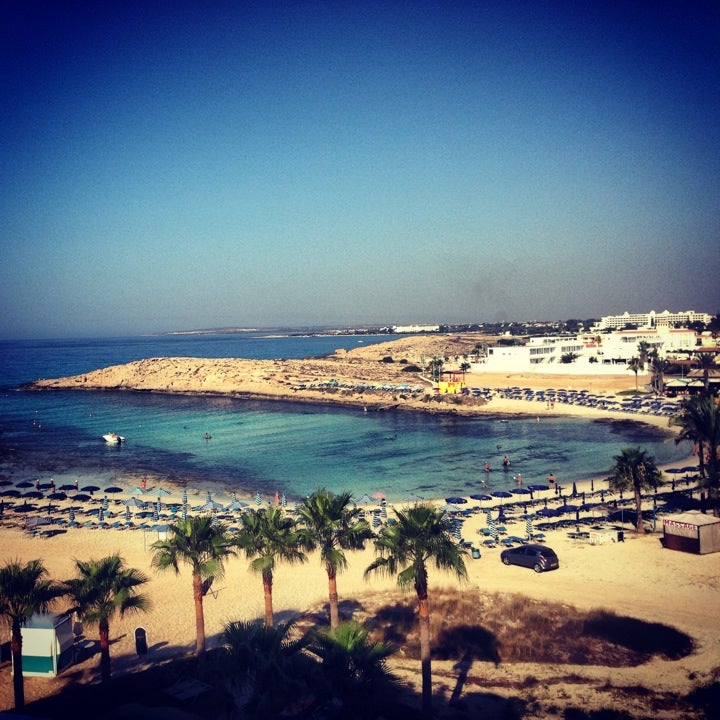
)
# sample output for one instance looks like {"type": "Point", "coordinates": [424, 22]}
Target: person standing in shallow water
{"type": "Point", "coordinates": [506, 462]}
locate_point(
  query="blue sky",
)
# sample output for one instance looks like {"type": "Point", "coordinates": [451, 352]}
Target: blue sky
{"type": "Point", "coordinates": [176, 165]}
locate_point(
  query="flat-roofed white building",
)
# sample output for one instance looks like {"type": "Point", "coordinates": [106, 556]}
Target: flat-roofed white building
{"type": "Point", "coordinates": [603, 354]}
{"type": "Point", "coordinates": [652, 319]}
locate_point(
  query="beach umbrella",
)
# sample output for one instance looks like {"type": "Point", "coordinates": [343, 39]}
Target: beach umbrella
{"type": "Point", "coordinates": [4, 482]}
{"type": "Point", "coordinates": [538, 488]}
{"type": "Point", "coordinates": [134, 502]}
{"type": "Point", "coordinates": [456, 500]}
{"type": "Point", "coordinates": [33, 494]}
{"type": "Point", "coordinates": [529, 527]}
{"type": "Point", "coordinates": [57, 496]}
{"type": "Point", "coordinates": [501, 494]}
{"type": "Point", "coordinates": [413, 498]}
{"type": "Point", "coordinates": [113, 489]}
{"type": "Point", "coordinates": [365, 500]}
{"type": "Point", "coordinates": [236, 505]}
{"type": "Point", "coordinates": [283, 501]}
{"type": "Point", "coordinates": [493, 531]}
{"type": "Point", "coordinates": [258, 499]}
{"type": "Point", "coordinates": [379, 495]}
{"type": "Point", "coordinates": [90, 488]}
{"type": "Point", "coordinates": [25, 507]}
{"type": "Point", "coordinates": [450, 509]}
{"type": "Point", "coordinates": [520, 491]}
{"type": "Point", "coordinates": [127, 513]}
{"type": "Point", "coordinates": [105, 504]}
{"type": "Point", "coordinates": [211, 505]}
{"type": "Point", "coordinates": [66, 488]}
{"type": "Point", "coordinates": [82, 497]}
{"type": "Point", "coordinates": [10, 493]}
{"type": "Point", "coordinates": [184, 496]}
{"type": "Point", "coordinates": [24, 484]}
{"type": "Point", "coordinates": [480, 497]}
{"type": "Point", "coordinates": [163, 491]}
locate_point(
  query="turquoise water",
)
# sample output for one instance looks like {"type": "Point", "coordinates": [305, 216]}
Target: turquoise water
{"type": "Point", "coordinates": [275, 446]}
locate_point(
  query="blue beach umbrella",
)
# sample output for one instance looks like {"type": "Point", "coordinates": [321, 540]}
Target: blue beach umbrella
{"type": "Point", "coordinates": [101, 514]}
{"type": "Point", "coordinates": [184, 495]}
{"type": "Point", "coordinates": [184, 511]}
{"type": "Point", "coordinates": [283, 500]}
{"type": "Point", "coordinates": [105, 503]}
{"type": "Point", "coordinates": [480, 496]}
{"type": "Point", "coordinates": [258, 499]}
{"type": "Point", "coordinates": [127, 513]}
{"type": "Point", "coordinates": [365, 500]}
{"type": "Point", "coordinates": [529, 527]}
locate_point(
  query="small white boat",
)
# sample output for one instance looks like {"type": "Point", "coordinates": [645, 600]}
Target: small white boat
{"type": "Point", "coordinates": [113, 438]}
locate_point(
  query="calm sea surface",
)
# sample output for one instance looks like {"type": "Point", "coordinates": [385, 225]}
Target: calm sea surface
{"type": "Point", "coordinates": [273, 446]}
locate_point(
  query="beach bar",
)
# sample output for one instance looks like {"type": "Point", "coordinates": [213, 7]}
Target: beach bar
{"type": "Point", "coordinates": [693, 532]}
{"type": "Point", "coordinates": [47, 647]}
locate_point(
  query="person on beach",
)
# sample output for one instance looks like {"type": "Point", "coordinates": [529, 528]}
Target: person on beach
{"type": "Point", "coordinates": [143, 484]}
{"type": "Point", "coordinates": [506, 462]}
{"type": "Point", "coordinates": [519, 480]}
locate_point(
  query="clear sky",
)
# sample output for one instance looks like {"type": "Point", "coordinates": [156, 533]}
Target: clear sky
{"type": "Point", "coordinates": [177, 165]}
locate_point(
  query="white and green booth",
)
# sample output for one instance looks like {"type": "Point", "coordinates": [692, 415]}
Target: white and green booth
{"type": "Point", "coordinates": [47, 647]}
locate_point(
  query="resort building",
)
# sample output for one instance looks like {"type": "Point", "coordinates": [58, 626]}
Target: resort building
{"type": "Point", "coordinates": [608, 353]}
{"type": "Point", "coordinates": [652, 319]}
{"type": "Point", "coordinates": [402, 329]}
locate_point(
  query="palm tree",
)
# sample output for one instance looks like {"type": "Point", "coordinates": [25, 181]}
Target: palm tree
{"type": "Point", "coordinates": [202, 543]}
{"type": "Point", "coordinates": [24, 591]}
{"type": "Point", "coordinates": [634, 470]}
{"type": "Point", "coordinates": [267, 536]}
{"type": "Point", "coordinates": [421, 535]}
{"type": "Point", "coordinates": [699, 422]}
{"type": "Point", "coordinates": [706, 363]}
{"type": "Point", "coordinates": [264, 666]}
{"type": "Point", "coordinates": [635, 364]}
{"type": "Point", "coordinates": [658, 366]}
{"type": "Point", "coordinates": [354, 669]}
{"type": "Point", "coordinates": [102, 588]}
{"type": "Point", "coordinates": [327, 522]}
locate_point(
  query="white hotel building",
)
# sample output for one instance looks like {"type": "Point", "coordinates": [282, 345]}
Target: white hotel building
{"type": "Point", "coordinates": [652, 319]}
{"type": "Point", "coordinates": [597, 354]}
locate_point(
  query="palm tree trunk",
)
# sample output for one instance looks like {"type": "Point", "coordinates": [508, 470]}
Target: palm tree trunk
{"type": "Point", "coordinates": [267, 589]}
{"type": "Point", "coordinates": [104, 629]}
{"type": "Point", "coordinates": [16, 650]}
{"type": "Point", "coordinates": [425, 664]}
{"type": "Point", "coordinates": [334, 604]}
{"type": "Point", "coordinates": [638, 510]}
{"type": "Point", "coordinates": [199, 615]}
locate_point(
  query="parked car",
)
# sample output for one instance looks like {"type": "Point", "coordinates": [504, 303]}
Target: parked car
{"type": "Point", "coordinates": [537, 557]}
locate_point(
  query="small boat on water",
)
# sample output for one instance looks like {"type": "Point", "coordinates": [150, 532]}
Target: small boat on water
{"type": "Point", "coordinates": [113, 438]}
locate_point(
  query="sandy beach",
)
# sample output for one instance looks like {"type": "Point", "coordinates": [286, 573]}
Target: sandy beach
{"type": "Point", "coordinates": [637, 577]}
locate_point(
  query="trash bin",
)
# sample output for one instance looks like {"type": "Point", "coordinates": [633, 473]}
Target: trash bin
{"type": "Point", "coordinates": [140, 641]}
{"type": "Point", "coordinates": [621, 536]}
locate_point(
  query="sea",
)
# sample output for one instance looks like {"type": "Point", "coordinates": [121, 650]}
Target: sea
{"type": "Point", "coordinates": [260, 448]}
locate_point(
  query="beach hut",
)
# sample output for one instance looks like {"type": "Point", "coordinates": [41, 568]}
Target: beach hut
{"type": "Point", "coordinates": [47, 647]}
{"type": "Point", "coordinates": [692, 531]}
